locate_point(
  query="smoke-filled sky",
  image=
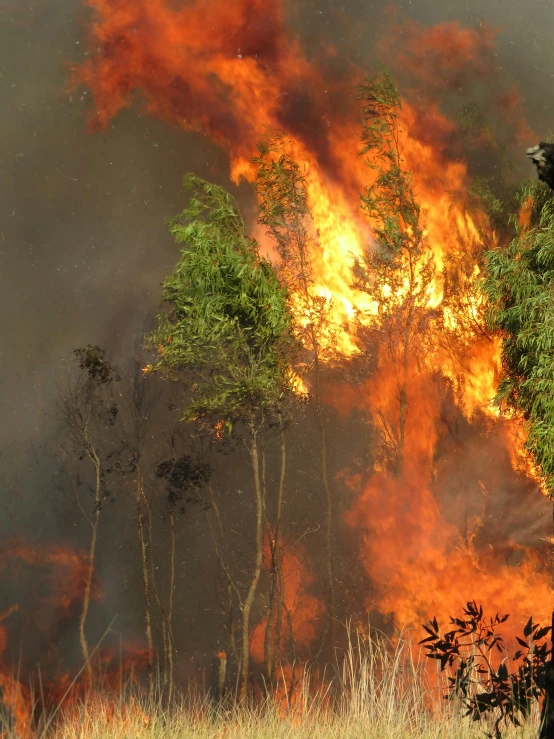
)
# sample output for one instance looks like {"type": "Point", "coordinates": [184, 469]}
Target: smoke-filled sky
{"type": "Point", "coordinates": [82, 239]}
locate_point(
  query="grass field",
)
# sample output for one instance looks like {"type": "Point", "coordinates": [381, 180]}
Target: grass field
{"type": "Point", "coordinates": [375, 692]}
{"type": "Point", "coordinates": [267, 724]}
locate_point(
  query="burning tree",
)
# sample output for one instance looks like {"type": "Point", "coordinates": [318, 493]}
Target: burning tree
{"type": "Point", "coordinates": [283, 209]}
{"type": "Point", "coordinates": [228, 336]}
{"type": "Point", "coordinates": [397, 271]}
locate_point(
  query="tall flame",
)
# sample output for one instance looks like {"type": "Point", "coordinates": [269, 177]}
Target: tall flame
{"type": "Point", "coordinates": [234, 70]}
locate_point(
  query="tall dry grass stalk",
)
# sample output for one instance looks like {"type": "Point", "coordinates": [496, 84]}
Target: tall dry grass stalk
{"type": "Point", "coordinates": [377, 690]}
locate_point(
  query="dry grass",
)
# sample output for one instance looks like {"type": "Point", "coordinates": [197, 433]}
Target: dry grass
{"type": "Point", "coordinates": [269, 725]}
{"type": "Point", "coordinates": [376, 693]}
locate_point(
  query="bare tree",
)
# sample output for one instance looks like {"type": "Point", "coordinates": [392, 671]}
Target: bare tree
{"type": "Point", "coordinates": [88, 413]}
{"type": "Point", "coordinates": [182, 475]}
{"type": "Point", "coordinates": [142, 401]}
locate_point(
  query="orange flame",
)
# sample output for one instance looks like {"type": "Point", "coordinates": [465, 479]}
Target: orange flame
{"type": "Point", "coordinates": [64, 571]}
{"type": "Point", "coordinates": [233, 70]}
{"type": "Point", "coordinates": [301, 609]}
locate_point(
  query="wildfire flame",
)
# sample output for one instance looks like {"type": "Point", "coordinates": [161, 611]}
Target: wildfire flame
{"type": "Point", "coordinates": [62, 571]}
{"type": "Point", "coordinates": [301, 610]}
{"type": "Point", "coordinates": [233, 71]}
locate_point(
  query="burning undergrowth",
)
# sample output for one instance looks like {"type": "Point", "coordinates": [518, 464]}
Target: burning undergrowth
{"type": "Point", "coordinates": [48, 581]}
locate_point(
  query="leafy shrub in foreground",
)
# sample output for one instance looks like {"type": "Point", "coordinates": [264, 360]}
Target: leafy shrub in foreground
{"type": "Point", "coordinates": [489, 680]}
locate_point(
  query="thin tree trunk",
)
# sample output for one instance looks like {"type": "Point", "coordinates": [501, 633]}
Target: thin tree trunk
{"type": "Point", "coordinates": [299, 237]}
{"type": "Point", "coordinates": [93, 456]}
{"type": "Point", "coordinates": [292, 643]}
{"type": "Point", "coordinates": [225, 566]}
{"type": "Point", "coordinates": [257, 568]}
{"type": "Point", "coordinates": [166, 616]}
{"type": "Point", "coordinates": [271, 645]}
{"type": "Point", "coordinates": [86, 596]}
{"type": "Point", "coordinates": [165, 674]}
{"type": "Point", "coordinates": [329, 504]}
{"type": "Point", "coordinates": [139, 495]}
{"type": "Point", "coordinates": [293, 240]}
{"type": "Point", "coordinates": [167, 632]}
{"type": "Point", "coordinates": [268, 636]}
{"type": "Point", "coordinates": [170, 612]}
{"type": "Point", "coordinates": [222, 675]}
{"type": "Point", "coordinates": [280, 607]}
{"type": "Point", "coordinates": [232, 628]}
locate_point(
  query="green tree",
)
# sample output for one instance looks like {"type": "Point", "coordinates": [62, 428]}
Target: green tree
{"type": "Point", "coordinates": [397, 272]}
{"type": "Point", "coordinates": [228, 337]}
{"type": "Point", "coordinates": [519, 288]}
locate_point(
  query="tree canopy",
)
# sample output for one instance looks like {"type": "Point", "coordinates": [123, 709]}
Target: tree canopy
{"type": "Point", "coordinates": [520, 287]}
{"type": "Point", "coordinates": [228, 326]}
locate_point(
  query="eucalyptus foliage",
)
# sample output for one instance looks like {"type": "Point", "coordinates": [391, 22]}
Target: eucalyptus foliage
{"type": "Point", "coordinates": [520, 287]}
{"type": "Point", "coordinates": [228, 328]}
